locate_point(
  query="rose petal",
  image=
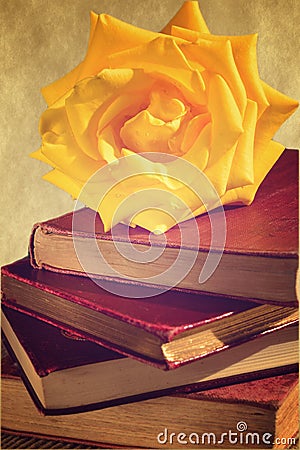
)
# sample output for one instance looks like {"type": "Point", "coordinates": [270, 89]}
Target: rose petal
{"type": "Point", "coordinates": [91, 101]}
{"type": "Point", "coordinates": [267, 155]}
{"type": "Point", "coordinates": [218, 172]}
{"type": "Point", "coordinates": [175, 142]}
{"type": "Point", "coordinates": [157, 172]}
{"type": "Point", "coordinates": [194, 128]}
{"type": "Point", "coordinates": [166, 174]}
{"type": "Point", "coordinates": [67, 184]}
{"type": "Point", "coordinates": [147, 210]}
{"type": "Point", "coordinates": [110, 208]}
{"type": "Point", "coordinates": [266, 152]}
{"type": "Point", "coordinates": [244, 52]}
{"type": "Point", "coordinates": [133, 97]}
{"type": "Point", "coordinates": [175, 67]}
{"type": "Point", "coordinates": [227, 123]}
{"type": "Point", "coordinates": [245, 57]}
{"type": "Point", "coordinates": [166, 103]}
{"type": "Point", "coordinates": [186, 34]}
{"type": "Point", "coordinates": [60, 148]}
{"type": "Point", "coordinates": [108, 148]}
{"type": "Point", "coordinates": [53, 120]}
{"type": "Point", "coordinates": [88, 194]}
{"type": "Point", "coordinates": [189, 16]}
{"type": "Point", "coordinates": [242, 169]}
{"type": "Point", "coordinates": [198, 153]}
{"type": "Point", "coordinates": [111, 36]}
{"type": "Point", "coordinates": [154, 220]}
{"type": "Point", "coordinates": [40, 157]}
{"type": "Point", "coordinates": [145, 133]}
{"type": "Point", "coordinates": [280, 109]}
{"type": "Point", "coordinates": [61, 151]}
{"type": "Point", "coordinates": [217, 57]}
{"type": "Point", "coordinates": [81, 114]}
{"type": "Point", "coordinates": [94, 18]}
{"type": "Point", "coordinates": [58, 88]}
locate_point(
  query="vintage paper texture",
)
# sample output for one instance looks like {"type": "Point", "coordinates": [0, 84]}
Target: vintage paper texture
{"type": "Point", "coordinates": [42, 40]}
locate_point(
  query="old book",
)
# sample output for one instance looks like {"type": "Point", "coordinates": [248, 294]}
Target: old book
{"type": "Point", "coordinates": [66, 373]}
{"type": "Point", "coordinates": [167, 330]}
{"type": "Point", "coordinates": [260, 257]}
{"type": "Point", "coordinates": [262, 413]}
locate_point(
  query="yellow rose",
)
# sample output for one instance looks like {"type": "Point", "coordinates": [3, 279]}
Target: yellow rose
{"type": "Point", "coordinates": [184, 92]}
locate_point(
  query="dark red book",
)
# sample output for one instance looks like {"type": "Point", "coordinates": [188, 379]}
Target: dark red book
{"type": "Point", "coordinates": [66, 373]}
{"type": "Point", "coordinates": [166, 330]}
{"type": "Point", "coordinates": [262, 413]}
{"type": "Point", "coordinates": [260, 257]}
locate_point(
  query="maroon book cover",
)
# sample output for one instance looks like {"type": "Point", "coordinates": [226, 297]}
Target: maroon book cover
{"type": "Point", "coordinates": [52, 350]}
{"type": "Point", "coordinates": [265, 231]}
{"type": "Point", "coordinates": [267, 392]}
{"type": "Point", "coordinates": [72, 301]}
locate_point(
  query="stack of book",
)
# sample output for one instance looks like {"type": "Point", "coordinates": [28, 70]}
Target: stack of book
{"type": "Point", "coordinates": [213, 364]}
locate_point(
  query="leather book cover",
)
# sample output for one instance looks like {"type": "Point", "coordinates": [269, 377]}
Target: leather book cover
{"type": "Point", "coordinates": [51, 349]}
{"type": "Point", "coordinates": [164, 317]}
{"type": "Point", "coordinates": [268, 392]}
{"type": "Point", "coordinates": [267, 229]}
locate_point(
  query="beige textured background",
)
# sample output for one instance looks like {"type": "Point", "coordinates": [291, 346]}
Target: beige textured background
{"type": "Point", "coordinates": [41, 40]}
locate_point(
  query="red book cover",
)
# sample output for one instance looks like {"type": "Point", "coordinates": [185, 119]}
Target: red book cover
{"type": "Point", "coordinates": [261, 247]}
{"type": "Point", "coordinates": [65, 374]}
{"type": "Point", "coordinates": [167, 330]}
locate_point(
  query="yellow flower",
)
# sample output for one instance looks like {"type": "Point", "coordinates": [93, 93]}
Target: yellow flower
{"type": "Point", "coordinates": [183, 92]}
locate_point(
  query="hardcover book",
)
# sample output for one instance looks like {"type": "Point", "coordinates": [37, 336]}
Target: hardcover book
{"type": "Point", "coordinates": [262, 413]}
{"type": "Point", "coordinates": [67, 374]}
{"type": "Point", "coordinates": [166, 330]}
{"type": "Point", "coordinates": [259, 261]}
